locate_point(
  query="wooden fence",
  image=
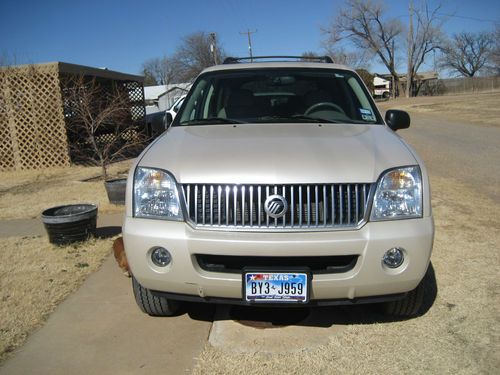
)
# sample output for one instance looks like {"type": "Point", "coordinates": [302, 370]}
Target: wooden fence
{"type": "Point", "coordinates": [33, 129]}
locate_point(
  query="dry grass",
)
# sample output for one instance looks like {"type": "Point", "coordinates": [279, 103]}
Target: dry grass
{"type": "Point", "coordinates": [25, 194]}
{"type": "Point", "coordinates": [34, 277]}
{"type": "Point", "coordinates": [480, 108]}
{"type": "Point", "coordinates": [460, 334]}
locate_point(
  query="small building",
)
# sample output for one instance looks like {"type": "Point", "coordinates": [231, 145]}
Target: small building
{"type": "Point", "coordinates": [384, 82]}
{"type": "Point", "coordinates": [159, 99]}
{"type": "Point", "coordinates": [33, 111]}
{"type": "Point", "coordinates": [162, 97]}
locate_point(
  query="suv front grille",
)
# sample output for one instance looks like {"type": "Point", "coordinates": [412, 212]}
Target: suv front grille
{"type": "Point", "coordinates": [310, 207]}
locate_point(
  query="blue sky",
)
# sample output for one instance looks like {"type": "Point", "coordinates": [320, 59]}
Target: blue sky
{"type": "Point", "coordinates": [120, 35]}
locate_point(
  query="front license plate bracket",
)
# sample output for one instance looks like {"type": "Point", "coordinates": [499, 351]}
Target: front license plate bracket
{"type": "Point", "coordinates": [289, 285]}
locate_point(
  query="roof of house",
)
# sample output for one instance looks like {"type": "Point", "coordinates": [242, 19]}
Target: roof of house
{"type": "Point", "coordinates": [155, 92]}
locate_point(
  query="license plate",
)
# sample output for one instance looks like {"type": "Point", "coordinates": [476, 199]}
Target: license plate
{"type": "Point", "coordinates": [276, 286]}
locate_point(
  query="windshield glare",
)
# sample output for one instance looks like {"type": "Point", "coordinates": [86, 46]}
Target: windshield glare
{"type": "Point", "coordinates": [279, 96]}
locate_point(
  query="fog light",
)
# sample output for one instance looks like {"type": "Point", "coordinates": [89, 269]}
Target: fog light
{"type": "Point", "coordinates": [394, 257]}
{"type": "Point", "coordinates": [161, 257]}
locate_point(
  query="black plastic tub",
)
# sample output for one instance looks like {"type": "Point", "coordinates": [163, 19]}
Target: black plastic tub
{"type": "Point", "coordinates": [116, 190]}
{"type": "Point", "coordinates": [70, 223]}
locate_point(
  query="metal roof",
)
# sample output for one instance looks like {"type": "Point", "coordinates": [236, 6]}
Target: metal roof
{"type": "Point", "coordinates": [86, 70]}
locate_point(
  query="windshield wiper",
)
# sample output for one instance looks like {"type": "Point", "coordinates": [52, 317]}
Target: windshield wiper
{"type": "Point", "coordinates": [294, 118]}
{"type": "Point", "coordinates": [212, 120]}
{"type": "Point", "coordinates": [315, 119]}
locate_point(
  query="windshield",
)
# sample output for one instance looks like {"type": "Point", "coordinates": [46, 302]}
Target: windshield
{"type": "Point", "coordinates": [282, 95]}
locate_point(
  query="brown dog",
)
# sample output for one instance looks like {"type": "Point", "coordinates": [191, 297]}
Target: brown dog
{"type": "Point", "coordinates": [120, 256]}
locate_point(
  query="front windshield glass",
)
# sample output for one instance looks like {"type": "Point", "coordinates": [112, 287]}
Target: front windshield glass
{"type": "Point", "coordinates": [278, 96]}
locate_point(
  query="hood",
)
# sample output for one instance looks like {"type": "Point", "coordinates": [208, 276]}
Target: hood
{"type": "Point", "coordinates": [278, 153]}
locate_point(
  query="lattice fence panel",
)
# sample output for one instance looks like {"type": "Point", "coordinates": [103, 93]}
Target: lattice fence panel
{"type": "Point", "coordinates": [34, 125]}
{"type": "Point", "coordinates": [7, 157]}
{"type": "Point", "coordinates": [123, 136]}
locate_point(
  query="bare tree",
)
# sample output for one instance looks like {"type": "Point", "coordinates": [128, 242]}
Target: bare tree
{"type": "Point", "coordinates": [357, 59]}
{"type": "Point", "coordinates": [159, 71]}
{"type": "Point", "coordinates": [99, 121]}
{"type": "Point", "coordinates": [494, 67]}
{"type": "Point", "coordinates": [426, 38]}
{"type": "Point", "coordinates": [364, 23]}
{"type": "Point", "coordinates": [194, 55]}
{"type": "Point", "coordinates": [468, 53]}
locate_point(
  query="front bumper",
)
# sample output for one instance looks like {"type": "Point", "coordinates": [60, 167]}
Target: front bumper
{"type": "Point", "coordinates": [368, 278]}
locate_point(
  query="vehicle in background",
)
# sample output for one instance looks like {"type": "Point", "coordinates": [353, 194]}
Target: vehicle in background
{"type": "Point", "coordinates": [382, 88]}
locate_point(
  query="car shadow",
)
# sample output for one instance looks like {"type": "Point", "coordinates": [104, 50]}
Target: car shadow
{"type": "Point", "coordinates": [324, 317]}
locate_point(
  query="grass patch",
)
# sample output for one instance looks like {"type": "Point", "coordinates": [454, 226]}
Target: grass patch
{"type": "Point", "coordinates": [35, 276]}
{"type": "Point", "coordinates": [477, 108]}
{"type": "Point", "coordinates": [25, 194]}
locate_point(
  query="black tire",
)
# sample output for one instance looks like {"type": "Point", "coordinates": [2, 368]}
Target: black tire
{"type": "Point", "coordinates": [410, 305]}
{"type": "Point", "coordinates": [385, 95]}
{"type": "Point", "coordinates": [151, 304]}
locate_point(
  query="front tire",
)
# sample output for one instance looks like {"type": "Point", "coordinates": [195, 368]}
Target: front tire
{"type": "Point", "coordinates": [151, 304]}
{"type": "Point", "coordinates": [411, 304]}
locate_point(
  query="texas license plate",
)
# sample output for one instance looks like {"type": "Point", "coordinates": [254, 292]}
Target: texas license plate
{"type": "Point", "coordinates": [276, 286]}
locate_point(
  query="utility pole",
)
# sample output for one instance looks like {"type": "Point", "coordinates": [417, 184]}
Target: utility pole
{"type": "Point", "coordinates": [393, 83]}
{"type": "Point", "coordinates": [410, 52]}
{"type": "Point", "coordinates": [248, 33]}
{"type": "Point", "coordinates": [213, 47]}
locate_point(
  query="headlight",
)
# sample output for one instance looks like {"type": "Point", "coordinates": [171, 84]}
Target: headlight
{"type": "Point", "coordinates": [156, 195]}
{"type": "Point", "coordinates": [398, 195]}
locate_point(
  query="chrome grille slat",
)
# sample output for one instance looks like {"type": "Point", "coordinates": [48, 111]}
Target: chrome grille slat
{"type": "Point", "coordinates": [219, 193]}
{"type": "Point", "coordinates": [310, 207]}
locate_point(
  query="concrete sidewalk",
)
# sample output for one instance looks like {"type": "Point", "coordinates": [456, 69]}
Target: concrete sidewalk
{"type": "Point", "coordinates": [34, 227]}
{"type": "Point", "coordinates": [100, 330]}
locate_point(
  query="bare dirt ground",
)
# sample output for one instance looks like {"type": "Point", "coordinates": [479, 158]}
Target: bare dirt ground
{"type": "Point", "coordinates": [35, 276]}
{"type": "Point", "coordinates": [25, 194]}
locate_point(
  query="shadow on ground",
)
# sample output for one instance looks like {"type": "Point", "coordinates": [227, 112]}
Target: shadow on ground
{"type": "Point", "coordinates": [107, 232]}
{"type": "Point", "coordinates": [325, 317]}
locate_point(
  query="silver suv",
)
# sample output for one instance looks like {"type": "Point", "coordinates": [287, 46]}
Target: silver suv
{"type": "Point", "coordinates": [279, 184]}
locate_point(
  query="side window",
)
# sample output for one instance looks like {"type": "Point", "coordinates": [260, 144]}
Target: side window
{"type": "Point", "coordinates": [361, 100]}
{"type": "Point", "coordinates": [193, 107]}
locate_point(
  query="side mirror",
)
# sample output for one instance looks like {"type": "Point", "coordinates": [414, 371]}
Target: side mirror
{"type": "Point", "coordinates": [397, 119]}
{"type": "Point", "coordinates": [167, 120]}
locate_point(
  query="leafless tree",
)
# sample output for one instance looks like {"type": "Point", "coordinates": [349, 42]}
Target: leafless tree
{"type": "Point", "coordinates": [427, 37]}
{"type": "Point", "coordinates": [468, 53]}
{"type": "Point", "coordinates": [364, 23]}
{"type": "Point", "coordinates": [494, 67]}
{"type": "Point", "coordinates": [194, 55]}
{"type": "Point", "coordinates": [99, 121]}
{"type": "Point", "coordinates": [357, 59]}
{"type": "Point", "coordinates": [159, 71]}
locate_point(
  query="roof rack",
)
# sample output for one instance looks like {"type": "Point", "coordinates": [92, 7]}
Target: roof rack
{"type": "Point", "coordinates": [236, 60]}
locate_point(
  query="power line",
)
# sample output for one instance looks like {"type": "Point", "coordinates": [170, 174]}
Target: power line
{"type": "Point", "coordinates": [468, 18]}
{"type": "Point", "coordinates": [248, 33]}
